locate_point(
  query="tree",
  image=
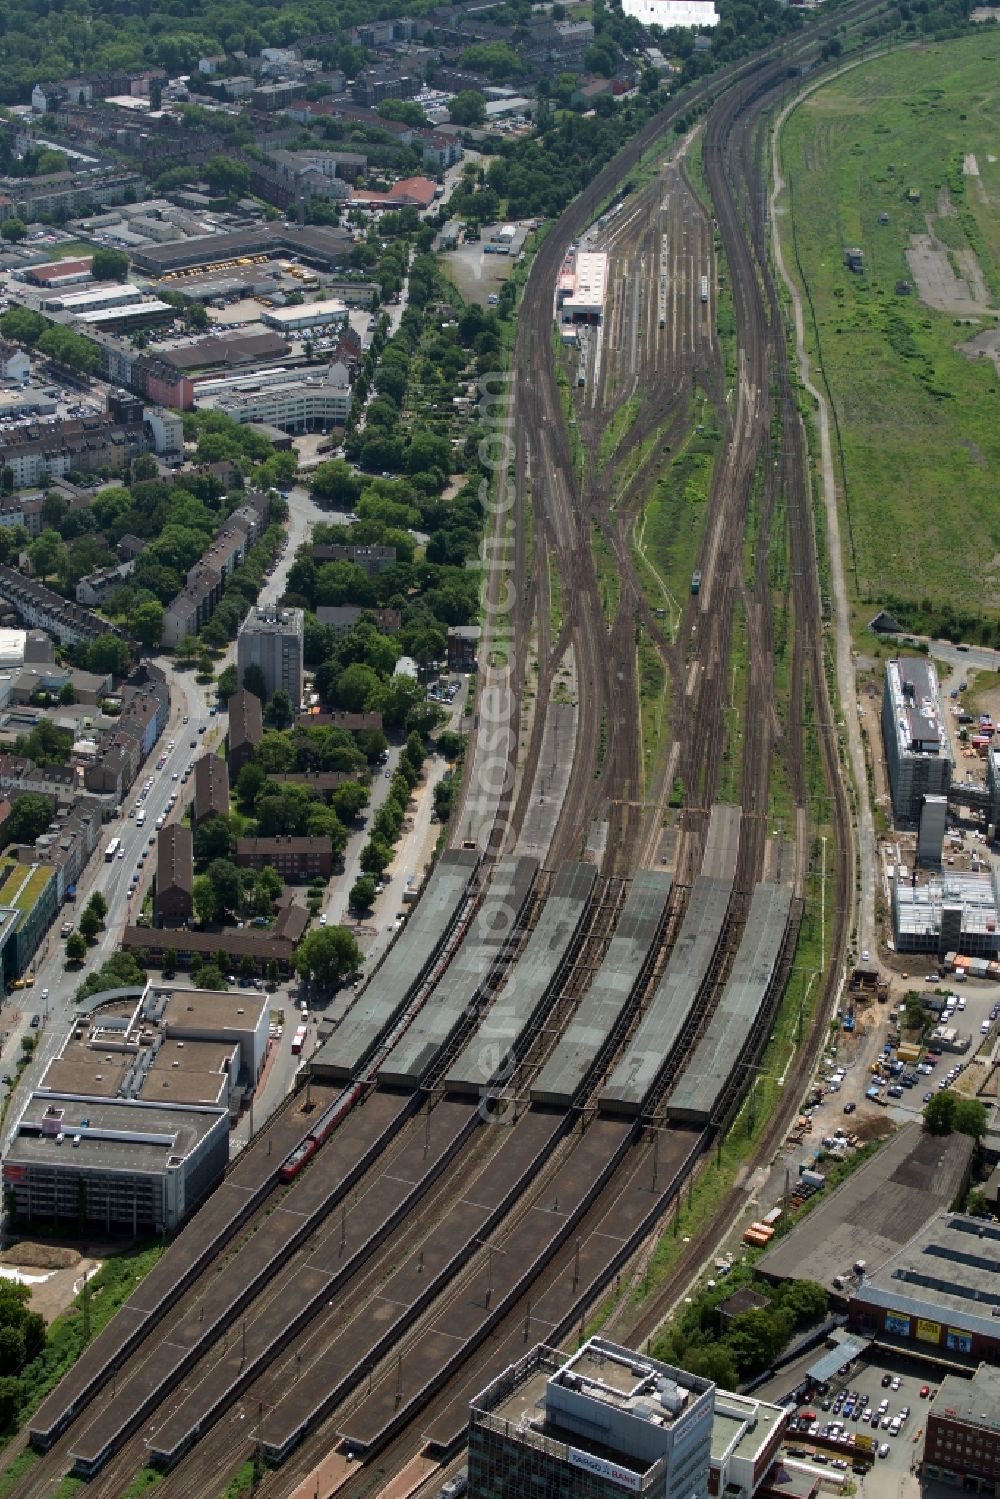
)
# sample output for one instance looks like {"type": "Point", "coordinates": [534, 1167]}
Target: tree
{"type": "Point", "coordinates": [226, 177]}
{"type": "Point", "coordinates": [279, 713]}
{"type": "Point", "coordinates": [327, 954]}
{"type": "Point", "coordinates": [90, 924]}
{"type": "Point", "coordinates": [14, 230]}
{"type": "Point", "coordinates": [10, 1389]}
{"type": "Point", "coordinates": [98, 905]}
{"type": "Point", "coordinates": [249, 784]}
{"type": "Point", "coordinates": [169, 960]}
{"type": "Point", "coordinates": [467, 108]}
{"type": "Point", "coordinates": [362, 896]}
{"type": "Point", "coordinates": [805, 1300]}
{"type": "Point", "coordinates": [976, 1204]}
{"type": "Point", "coordinates": [375, 856]}
{"type": "Point", "coordinates": [754, 1338]}
{"type": "Point", "coordinates": [357, 687]}
{"type": "Point", "coordinates": [414, 750]}
{"type": "Point", "coordinates": [29, 818]}
{"type": "Point", "coordinates": [109, 265]}
{"type": "Point", "coordinates": [215, 839]}
{"type": "Point", "coordinates": [227, 684]}
{"type": "Point", "coordinates": [939, 1113]}
{"type": "Point", "coordinates": [349, 800]}
{"type": "Point", "coordinates": [11, 1349]}
{"type": "Point", "coordinates": [146, 623]}
{"type": "Point", "coordinates": [210, 977]}
{"type": "Point", "coordinates": [226, 882]}
{"type": "Point", "coordinates": [67, 694]}
{"type": "Point", "coordinates": [47, 555]}
{"type": "Point", "coordinates": [713, 1361]}
{"type": "Point", "coordinates": [23, 324]}
{"type": "Point", "coordinates": [247, 966]}
{"type": "Point", "coordinates": [336, 484]}
{"type": "Point", "coordinates": [970, 1117]}
{"type": "Point", "coordinates": [270, 883]}
{"type": "Point", "coordinates": [108, 656]}
{"type": "Point", "coordinates": [254, 681]}
{"type": "Point", "coordinates": [46, 744]}
{"type": "Point", "coordinates": [70, 349]}
{"type": "Point", "coordinates": [76, 948]}
{"type": "Point", "coordinates": [55, 508]}
{"type": "Point", "coordinates": [205, 900]}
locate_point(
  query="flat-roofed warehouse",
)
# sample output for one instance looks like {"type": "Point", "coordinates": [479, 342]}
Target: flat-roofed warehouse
{"type": "Point", "coordinates": [875, 1211]}
{"type": "Point", "coordinates": [319, 246]}
{"type": "Point", "coordinates": [582, 288]}
{"type": "Point", "coordinates": [309, 315]}
{"type": "Point", "coordinates": [132, 1166]}
{"type": "Point", "coordinates": [938, 1292]}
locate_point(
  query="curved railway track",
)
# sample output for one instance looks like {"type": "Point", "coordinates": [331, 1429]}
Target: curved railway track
{"type": "Point", "coordinates": [607, 776]}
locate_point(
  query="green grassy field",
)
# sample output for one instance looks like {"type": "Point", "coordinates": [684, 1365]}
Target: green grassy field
{"type": "Point", "coordinates": [919, 421]}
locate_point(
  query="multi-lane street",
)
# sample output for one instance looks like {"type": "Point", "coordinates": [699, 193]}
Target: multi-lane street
{"type": "Point", "coordinates": [191, 730]}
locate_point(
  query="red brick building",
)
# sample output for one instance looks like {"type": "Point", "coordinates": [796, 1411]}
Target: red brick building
{"type": "Point", "coordinates": [174, 875]}
{"type": "Point", "coordinates": [962, 1445]}
{"type": "Point", "coordinates": [294, 858]}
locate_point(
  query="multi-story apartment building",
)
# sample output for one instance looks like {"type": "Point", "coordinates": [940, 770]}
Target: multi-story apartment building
{"type": "Point", "coordinates": [174, 875]}
{"type": "Point", "coordinates": [41, 608]}
{"type": "Point", "coordinates": [272, 639]}
{"type": "Point", "coordinates": [294, 858]}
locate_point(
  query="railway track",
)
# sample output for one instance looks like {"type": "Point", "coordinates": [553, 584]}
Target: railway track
{"type": "Point", "coordinates": [543, 460]}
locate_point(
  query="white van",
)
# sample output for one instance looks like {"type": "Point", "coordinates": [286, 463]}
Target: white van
{"type": "Point", "coordinates": [140, 818]}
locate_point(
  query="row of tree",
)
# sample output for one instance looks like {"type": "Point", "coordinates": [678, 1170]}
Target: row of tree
{"type": "Point", "coordinates": [730, 1350]}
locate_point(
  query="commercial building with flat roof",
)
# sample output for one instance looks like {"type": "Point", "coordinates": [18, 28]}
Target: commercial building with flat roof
{"type": "Point", "coordinates": [95, 297]}
{"type": "Point", "coordinates": [582, 288]}
{"type": "Point", "coordinates": [318, 245]}
{"type": "Point", "coordinates": [603, 1421]}
{"type": "Point", "coordinates": [272, 639]}
{"type": "Point", "coordinates": [917, 755]}
{"type": "Point", "coordinates": [952, 912]}
{"type": "Point", "coordinates": [240, 1018]}
{"type": "Point", "coordinates": [938, 1292]}
{"type": "Point", "coordinates": [294, 403]}
{"type": "Point", "coordinates": [962, 1445]}
{"type": "Point", "coordinates": [874, 1212]}
{"type": "Point", "coordinates": [308, 315]}
{"type": "Point", "coordinates": [122, 1165]}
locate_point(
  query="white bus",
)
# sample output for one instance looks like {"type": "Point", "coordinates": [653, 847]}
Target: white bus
{"type": "Point", "coordinates": [112, 849]}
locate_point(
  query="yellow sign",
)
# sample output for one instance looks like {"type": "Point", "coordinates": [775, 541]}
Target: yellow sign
{"type": "Point", "coordinates": [928, 1332]}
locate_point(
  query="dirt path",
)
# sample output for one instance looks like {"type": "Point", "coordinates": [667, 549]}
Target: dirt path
{"type": "Point", "coordinates": [864, 830]}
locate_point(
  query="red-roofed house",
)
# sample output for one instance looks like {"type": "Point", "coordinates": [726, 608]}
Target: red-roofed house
{"type": "Point", "coordinates": [415, 191]}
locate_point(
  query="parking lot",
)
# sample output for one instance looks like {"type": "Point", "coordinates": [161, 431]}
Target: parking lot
{"type": "Point", "coordinates": [891, 1475]}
